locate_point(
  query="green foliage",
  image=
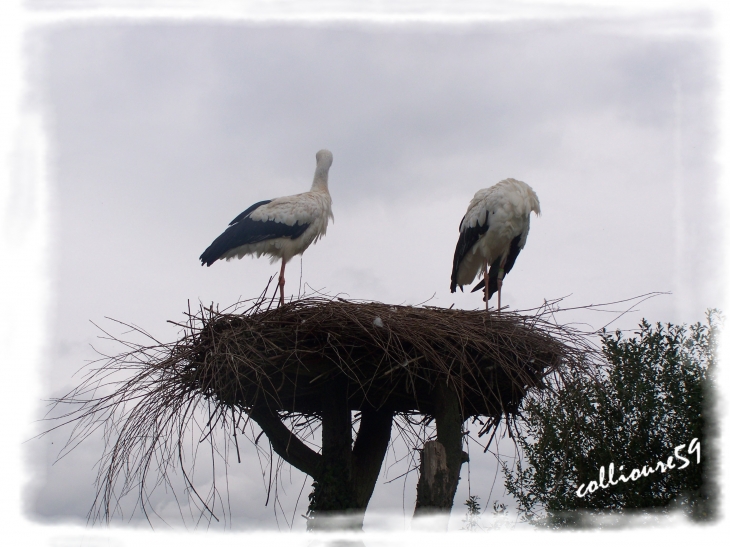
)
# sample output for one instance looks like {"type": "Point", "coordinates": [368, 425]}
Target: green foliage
{"type": "Point", "coordinates": [473, 520]}
{"type": "Point", "coordinates": [473, 512]}
{"type": "Point", "coordinates": [650, 398]}
{"type": "Point", "coordinates": [499, 517]}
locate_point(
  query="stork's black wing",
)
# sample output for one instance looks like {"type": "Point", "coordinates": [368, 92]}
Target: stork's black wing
{"type": "Point", "coordinates": [248, 211]}
{"type": "Point", "coordinates": [467, 239]}
{"type": "Point", "coordinates": [243, 230]}
{"type": "Point", "coordinates": [514, 250]}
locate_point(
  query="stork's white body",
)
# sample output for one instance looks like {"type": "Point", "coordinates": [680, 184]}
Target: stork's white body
{"type": "Point", "coordinates": [280, 228]}
{"type": "Point", "coordinates": [313, 208]}
{"type": "Point", "coordinates": [494, 227]}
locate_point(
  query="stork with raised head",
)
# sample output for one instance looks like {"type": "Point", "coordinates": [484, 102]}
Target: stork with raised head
{"type": "Point", "coordinates": [281, 227]}
{"type": "Point", "coordinates": [492, 234]}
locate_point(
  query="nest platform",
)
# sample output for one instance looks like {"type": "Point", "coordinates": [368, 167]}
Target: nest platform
{"type": "Point", "coordinates": [385, 356]}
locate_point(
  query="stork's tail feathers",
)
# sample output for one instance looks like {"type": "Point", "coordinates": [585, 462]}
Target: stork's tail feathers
{"type": "Point", "coordinates": [206, 259]}
{"type": "Point", "coordinates": [453, 272]}
{"type": "Point", "coordinates": [492, 284]}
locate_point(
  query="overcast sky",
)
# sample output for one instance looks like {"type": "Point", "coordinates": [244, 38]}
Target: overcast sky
{"type": "Point", "coordinates": [160, 134]}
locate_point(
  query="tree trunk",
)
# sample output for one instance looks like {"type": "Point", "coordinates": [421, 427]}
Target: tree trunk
{"type": "Point", "coordinates": [334, 491]}
{"type": "Point", "coordinates": [441, 460]}
{"type": "Point", "coordinates": [344, 488]}
{"type": "Point", "coordinates": [345, 475]}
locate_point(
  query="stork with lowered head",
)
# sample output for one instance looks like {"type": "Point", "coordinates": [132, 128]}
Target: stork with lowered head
{"type": "Point", "coordinates": [491, 235]}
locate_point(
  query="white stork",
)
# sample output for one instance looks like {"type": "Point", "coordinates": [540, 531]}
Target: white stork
{"type": "Point", "coordinates": [492, 234]}
{"type": "Point", "coordinates": [281, 227]}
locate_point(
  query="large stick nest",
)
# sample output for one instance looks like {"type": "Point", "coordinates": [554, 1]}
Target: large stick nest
{"type": "Point", "coordinates": [225, 365]}
{"type": "Point", "coordinates": [391, 356]}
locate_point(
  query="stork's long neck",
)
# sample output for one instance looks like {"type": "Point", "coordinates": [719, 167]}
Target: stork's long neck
{"type": "Point", "coordinates": [320, 179]}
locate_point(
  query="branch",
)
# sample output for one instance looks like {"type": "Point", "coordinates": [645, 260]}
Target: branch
{"type": "Point", "coordinates": [286, 444]}
{"type": "Point", "coordinates": [369, 451]}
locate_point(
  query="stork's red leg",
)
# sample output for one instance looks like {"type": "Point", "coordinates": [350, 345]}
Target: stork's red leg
{"type": "Point", "coordinates": [500, 275]}
{"type": "Point", "coordinates": [499, 294]}
{"type": "Point", "coordinates": [281, 282]}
